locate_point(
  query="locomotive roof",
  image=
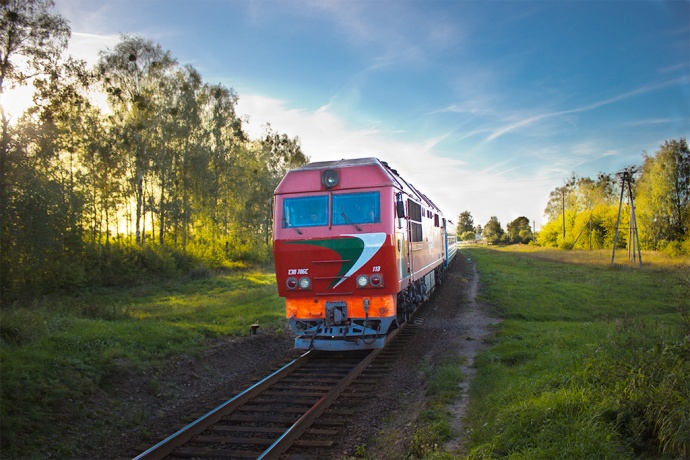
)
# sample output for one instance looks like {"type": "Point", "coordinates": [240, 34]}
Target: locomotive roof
{"type": "Point", "coordinates": [339, 163]}
{"type": "Point", "coordinates": [389, 175]}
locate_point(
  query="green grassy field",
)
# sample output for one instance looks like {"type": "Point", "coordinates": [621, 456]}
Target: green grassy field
{"type": "Point", "coordinates": [56, 352]}
{"type": "Point", "coordinates": [591, 360]}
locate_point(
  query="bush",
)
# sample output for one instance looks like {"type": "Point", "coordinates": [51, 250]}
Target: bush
{"type": "Point", "coordinates": [468, 236]}
{"type": "Point", "coordinates": [677, 248]}
{"type": "Point", "coordinates": [647, 368]}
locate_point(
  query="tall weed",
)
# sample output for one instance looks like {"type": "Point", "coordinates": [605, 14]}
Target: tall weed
{"type": "Point", "coordinates": [592, 361]}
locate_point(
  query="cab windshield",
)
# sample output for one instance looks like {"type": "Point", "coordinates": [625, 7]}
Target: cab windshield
{"type": "Point", "coordinates": [346, 209]}
{"type": "Point", "coordinates": [356, 208]}
{"type": "Point", "coordinates": [308, 211]}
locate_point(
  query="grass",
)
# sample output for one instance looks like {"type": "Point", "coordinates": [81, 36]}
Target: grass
{"type": "Point", "coordinates": [589, 362]}
{"type": "Point", "coordinates": [433, 425]}
{"type": "Point", "coordinates": [58, 351]}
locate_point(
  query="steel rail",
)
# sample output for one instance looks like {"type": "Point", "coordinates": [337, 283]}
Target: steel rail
{"type": "Point", "coordinates": [292, 434]}
{"type": "Point", "coordinates": [166, 446]}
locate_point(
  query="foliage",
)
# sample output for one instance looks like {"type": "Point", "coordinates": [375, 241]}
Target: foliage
{"type": "Point", "coordinates": [168, 169]}
{"type": "Point", "coordinates": [560, 199]}
{"type": "Point", "coordinates": [663, 195]}
{"type": "Point", "coordinates": [588, 230]}
{"type": "Point", "coordinates": [59, 350]}
{"type": "Point", "coordinates": [468, 236]}
{"type": "Point", "coordinates": [662, 206]}
{"type": "Point", "coordinates": [27, 29]}
{"type": "Point", "coordinates": [590, 361]}
{"type": "Point", "coordinates": [433, 427]}
{"type": "Point", "coordinates": [493, 233]}
{"type": "Point", "coordinates": [520, 230]}
{"type": "Point", "coordinates": [465, 223]}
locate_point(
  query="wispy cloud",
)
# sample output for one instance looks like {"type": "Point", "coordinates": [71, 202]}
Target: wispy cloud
{"type": "Point", "coordinates": [514, 125]}
{"type": "Point", "coordinates": [87, 46]}
{"type": "Point", "coordinates": [455, 184]}
{"type": "Point", "coordinates": [651, 121]}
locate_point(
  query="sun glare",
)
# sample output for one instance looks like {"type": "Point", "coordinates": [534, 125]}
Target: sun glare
{"type": "Point", "coordinates": [15, 101]}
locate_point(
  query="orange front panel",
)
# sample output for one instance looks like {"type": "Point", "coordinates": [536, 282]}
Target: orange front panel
{"type": "Point", "coordinates": [313, 308]}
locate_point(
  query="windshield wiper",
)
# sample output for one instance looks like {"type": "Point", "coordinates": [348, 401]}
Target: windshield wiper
{"type": "Point", "coordinates": [291, 226]}
{"type": "Point", "coordinates": [350, 221]}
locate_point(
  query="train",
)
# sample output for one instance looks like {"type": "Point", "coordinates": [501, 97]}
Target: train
{"type": "Point", "coordinates": [357, 249]}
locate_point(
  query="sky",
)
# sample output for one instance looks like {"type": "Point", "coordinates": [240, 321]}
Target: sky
{"type": "Point", "coordinates": [485, 106]}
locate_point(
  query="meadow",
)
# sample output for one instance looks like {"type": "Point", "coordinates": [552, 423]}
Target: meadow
{"type": "Point", "coordinates": [59, 350]}
{"type": "Point", "coordinates": [590, 361]}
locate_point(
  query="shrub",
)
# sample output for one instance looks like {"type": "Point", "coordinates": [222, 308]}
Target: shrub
{"type": "Point", "coordinates": [677, 248]}
{"type": "Point", "coordinates": [468, 236]}
{"type": "Point", "coordinates": [646, 367]}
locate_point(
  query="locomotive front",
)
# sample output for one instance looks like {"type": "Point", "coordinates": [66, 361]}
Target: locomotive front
{"type": "Point", "coordinates": [335, 253]}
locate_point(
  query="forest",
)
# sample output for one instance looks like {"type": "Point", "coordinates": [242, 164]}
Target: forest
{"type": "Point", "coordinates": [585, 213]}
{"type": "Point", "coordinates": [161, 180]}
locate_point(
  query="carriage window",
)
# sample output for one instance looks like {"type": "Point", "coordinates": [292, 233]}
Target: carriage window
{"type": "Point", "coordinates": [309, 211]}
{"type": "Point", "coordinates": [358, 208]}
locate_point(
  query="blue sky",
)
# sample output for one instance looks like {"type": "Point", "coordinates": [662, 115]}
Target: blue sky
{"type": "Point", "coordinates": [486, 106]}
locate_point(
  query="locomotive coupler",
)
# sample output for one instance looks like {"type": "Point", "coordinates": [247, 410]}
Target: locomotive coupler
{"type": "Point", "coordinates": [336, 313]}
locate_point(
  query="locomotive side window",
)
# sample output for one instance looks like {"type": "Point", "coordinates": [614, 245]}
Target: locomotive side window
{"type": "Point", "coordinates": [309, 211]}
{"type": "Point", "coordinates": [415, 211]}
{"type": "Point", "coordinates": [357, 208]}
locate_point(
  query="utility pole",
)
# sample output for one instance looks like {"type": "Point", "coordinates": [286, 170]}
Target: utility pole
{"type": "Point", "coordinates": [563, 210]}
{"type": "Point", "coordinates": [566, 188]}
{"type": "Point", "coordinates": [626, 176]}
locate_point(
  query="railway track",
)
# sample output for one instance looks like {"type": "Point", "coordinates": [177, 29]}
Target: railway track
{"type": "Point", "coordinates": [293, 408]}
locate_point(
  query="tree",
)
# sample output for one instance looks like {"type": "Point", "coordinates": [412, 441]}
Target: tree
{"type": "Point", "coordinates": [663, 194]}
{"type": "Point", "coordinates": [520, 230]}
{"type": "Point", "coordinates": [280, 153]}
{"type": "Point", "coordinates": [27, 32]}
{"type": "Point", "coordinates": [493, 233]}
{"type": "Point", "coordinates": [181, 161]}
{"type": "Point", "coordinates": [132, 74]}
{"type": "Point", "coordinates": [465, 223]}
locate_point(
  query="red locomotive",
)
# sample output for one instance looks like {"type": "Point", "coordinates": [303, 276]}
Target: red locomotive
{"type": "Point", "coordinates": [357, 249]}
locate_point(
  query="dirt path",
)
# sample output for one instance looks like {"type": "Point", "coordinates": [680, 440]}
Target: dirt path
{"type": "Point", "coordinates": [457, 326]}
{"type": "Point", "coordinates": [473, 322]}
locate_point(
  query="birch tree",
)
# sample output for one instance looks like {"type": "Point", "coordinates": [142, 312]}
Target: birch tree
{"type": "Point", "coordinates": [663, 194]}
{"type": "Point", "coordinates": [132, 74]}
